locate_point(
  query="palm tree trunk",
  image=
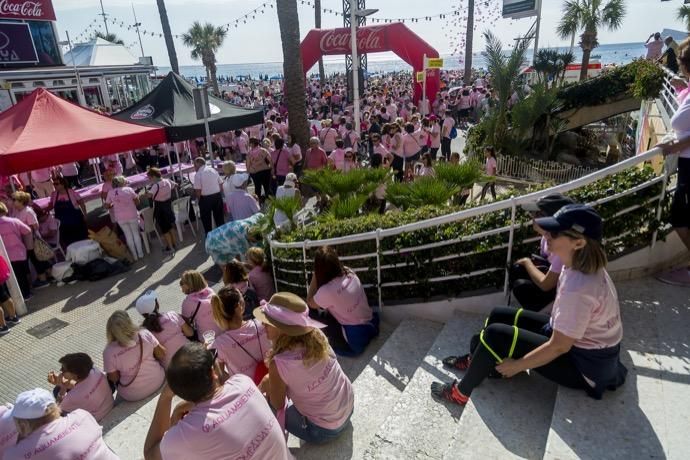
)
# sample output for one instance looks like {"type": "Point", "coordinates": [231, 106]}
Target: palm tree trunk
{"type": "Point", "coordinates": [293, 71]}
{"type": "Point", "coordinates": [212, 70]}
{"type": "Point", "coordinates": [589, 39]}
{"type": "Point", "coordinates": [317, 24]}
{"type": "Point", "coordinates": [169, 43]}
{"type": "Point", "coordinates": [468, 42]}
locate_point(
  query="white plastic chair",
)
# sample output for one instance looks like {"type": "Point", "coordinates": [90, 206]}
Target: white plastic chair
{"type": "Point", "coordinates": [181, 210]}
{"type": "Point", "coordinates": [149, 226]}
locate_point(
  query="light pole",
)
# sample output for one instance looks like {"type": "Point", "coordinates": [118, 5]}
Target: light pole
{"type": "Point", "coordinates": [354, 14]}
{"type": "Point", "coordinates": [80, 91]}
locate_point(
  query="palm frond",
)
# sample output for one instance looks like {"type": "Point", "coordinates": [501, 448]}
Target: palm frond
{"type": "Point", "coordinates": [462, 175]}
{"type": "Point", "coordinates": [571, 19]}
{"type": "Point", "coordinates": [423, 191]}
{"type": "Point", "coordinates": [347, 207]}
{"type": "Point", "coordinates": [613, 13]}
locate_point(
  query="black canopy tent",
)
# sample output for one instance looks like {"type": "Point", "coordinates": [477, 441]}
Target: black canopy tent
{"type": "Point", "coordinates": [171, 105]}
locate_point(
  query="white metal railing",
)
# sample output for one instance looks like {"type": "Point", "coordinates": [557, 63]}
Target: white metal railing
{"type": "Point", "coordinates": [539, 170]}
{"type": "Point", "coordinates": [668, 101]}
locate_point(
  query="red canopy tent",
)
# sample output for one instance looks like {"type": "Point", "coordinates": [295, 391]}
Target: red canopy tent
{"type": "Point", "coordinates": [44, 130]}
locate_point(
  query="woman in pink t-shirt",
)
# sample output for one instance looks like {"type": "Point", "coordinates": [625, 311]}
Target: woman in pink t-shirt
{"type": "Point", "coordinates": [44, 434]}
{"type": "Point", "coordinates": [25, 213]}
{"type": "Point", "coordinates": [578, 346]}
{"type": "Point", "coordinates": [163, 214]}
{"type": "Point", "coordinates": [168, 327]}
{"type": "Point", "coordinates": [123, 201]}
{"type": "Point", "coordinates": [133, 358]}
{"type": "Point", "coordinates": [337, 297]}
{"type": "Point", "coordinates": [80, 385]}
{"type": "Point", "coordinates": [196, 307]}
{"type": "Point", "coordinates": [490, 170]}
{"type": "Point", "coordinates": [16, 235]}
{"type": "Point", "coordinates": [303, 368]}
{"type": "Point", "coordinates": [328, 136]}
{"type": "Point", "coordinates": [243, 345]}
{"type": "Point", "coordinates": [259, 273]}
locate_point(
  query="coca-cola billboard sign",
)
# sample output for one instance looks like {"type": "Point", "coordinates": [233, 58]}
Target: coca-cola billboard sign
{"type": "Point", "coordinates": [37, 10]}
{"type": "Point", "coordinates": [338, 41]}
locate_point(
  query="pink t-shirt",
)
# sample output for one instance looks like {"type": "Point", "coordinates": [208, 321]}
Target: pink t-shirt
{"type": "Point", "coordinates": [316, 159]}
{"type": "Point", "coordinates": [321, 392]}
{"type": "Point", "coordinates": [448, 124]}
{"type": "Point", "coordinates": [435, 136]}
{"type": "Point", "coordinates": [162, 190]}
{"type": "Point", "coordinates": [242, 143]}
{"type": "Point", "coordinates": [345, 299]}
{"type": "Point", "coordinates": [12, 231]}
{"type": "Point", "coordinates": [411, 144]}
{"type": "Point", "coordinates": [75, 436]}
{"type": "Point", "coordinates": [281, 161]}
{"type": "Point", "coordinates": [237, 423]}
{"type": "Point", "coordinates": [328, 137]}
{"type": "Point", "coordinates": [337, 156]}
{"type": "Point", "coordinates": [171, 337]}
{"type": "Point", "coordinates": [126, 360]}
{"type": "Point", "coordinates": [124, 208]}
{"type": "Point", "coordinates": [252, 336]}
{"type": "Point", "coordinates": [586, 309]}
{"type": "Point", "coordinates": [262, 282]}
{"type": "Point", "coordinates": [204, 317]}
{"type": "Point", "coordinates": [491, 166]}
{"type": "Point", "coordinates": [91, 394]}
{"type": "Point", "coordinates": [397, 139]}
{"type": "Point", "coordinates": [27, 216]}
{"type": "Point", "coordinates": [8, 430]}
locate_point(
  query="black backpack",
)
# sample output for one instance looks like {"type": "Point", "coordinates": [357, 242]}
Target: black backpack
{"type": "Point", "coordinates": [251, 301]}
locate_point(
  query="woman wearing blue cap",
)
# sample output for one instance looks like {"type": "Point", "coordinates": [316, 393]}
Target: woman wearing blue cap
{"type": "Point", "coordinates": [578, 346]}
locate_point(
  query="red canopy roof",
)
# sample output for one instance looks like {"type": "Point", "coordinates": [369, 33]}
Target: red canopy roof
{"type": "Point", "coordinates": [44, 130]}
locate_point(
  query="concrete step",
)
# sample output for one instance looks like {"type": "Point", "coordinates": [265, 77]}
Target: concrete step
{"type": "Point", "coordinates": [649, 416]}
{"type": "Point", "coordinates": [418, 426]}
{"type": "Point", "coordinates": [377, 389]}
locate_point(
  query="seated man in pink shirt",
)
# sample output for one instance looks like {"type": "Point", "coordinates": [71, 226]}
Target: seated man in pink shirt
{"type": "Point", "coordinates": [218, 419]}
{"type": "Point", "coordinates": [81, 385]}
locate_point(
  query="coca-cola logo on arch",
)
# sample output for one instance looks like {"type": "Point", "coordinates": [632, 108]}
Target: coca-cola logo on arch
{"type": "Point", "coordinates": [369, 39]}
{"type": "Point", "coordinates": [41, 10]}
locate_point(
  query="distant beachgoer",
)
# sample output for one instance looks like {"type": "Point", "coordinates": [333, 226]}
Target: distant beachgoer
{"type": "Point", "coordinates": [654, 47]}
{"type": "Point", "coordinates": [670, 56]}
{"type": "Point", "coordinates": [490, 171]}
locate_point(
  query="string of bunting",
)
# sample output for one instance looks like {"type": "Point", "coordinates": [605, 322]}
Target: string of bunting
{"type": "Point", "coordinates": [386, 20]}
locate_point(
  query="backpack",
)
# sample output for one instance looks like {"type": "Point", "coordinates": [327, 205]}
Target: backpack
{"type": "Point", "coordinates": [347, 140]}
{"type": "Point", "coordinates": [453, 132]}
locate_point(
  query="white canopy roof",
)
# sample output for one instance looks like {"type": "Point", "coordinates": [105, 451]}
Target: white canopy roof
{"type": "Point", "coordinates": [99, 52]}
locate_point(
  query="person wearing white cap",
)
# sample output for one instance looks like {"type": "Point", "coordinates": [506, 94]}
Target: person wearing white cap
{"type": "Point", "coordinates": [8, 430]}
{"type": "Point", "coordinates": [287, 190]}
{"type": "Point", "coordinates": [241, 203]}
{"type": "Point", "coordinates": [45, 435]}
{"type": "Point", "coordinates": [303, 367]}
{"type": "Point", "coordinates": [168, 327]}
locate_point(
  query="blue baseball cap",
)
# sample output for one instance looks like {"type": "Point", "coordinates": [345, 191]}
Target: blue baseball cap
{"type": "Point", "coordinates": [579, 218]}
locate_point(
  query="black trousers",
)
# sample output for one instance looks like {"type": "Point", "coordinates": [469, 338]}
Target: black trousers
{"type": "Point", "coordinates": [530, 296]}
{"type": "Point", "coordinates": [445, 148]}
{"type": "Point", "coordinates": [262, 180]}
{"type": "Point", "coordinates": [397, 165]}
{"type": "Point", "coordinates": [211, 205]}
{"type": "Point", "coordinates": [21, 271]}
{"type": "Point", "coordinates": [489, 186]}
{"type": "Point", "coordinates": [498, 337]}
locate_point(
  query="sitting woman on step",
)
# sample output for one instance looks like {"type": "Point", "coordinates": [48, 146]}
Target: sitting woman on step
{"type": "Point", "coordinates": [304, 368]}
{"type": "Point", "coordinates": [578, 346]}
{"type": "Point", "coordinates": [337, 298]}
{"type": "Point", "coordinates": [533, 279]}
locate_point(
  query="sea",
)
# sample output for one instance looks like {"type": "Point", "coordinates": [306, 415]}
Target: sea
{"type": "Point", "coordinates": [621, 53]}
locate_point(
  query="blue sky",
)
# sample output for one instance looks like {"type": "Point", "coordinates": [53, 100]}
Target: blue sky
{"type": "Point", "coordinates": [259, 39]}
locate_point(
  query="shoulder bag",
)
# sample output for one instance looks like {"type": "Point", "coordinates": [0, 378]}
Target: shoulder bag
{"type": "Point", "coordinates": [141, 356]}
{"type": "Point", "coordinates": [261, 369]}
{"type": "Point", "coordinates": [42, 249]}
{"type": "Point", "coordinates": [190, 321]}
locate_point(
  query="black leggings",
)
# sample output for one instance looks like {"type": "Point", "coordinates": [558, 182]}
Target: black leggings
{"type": "Point", "coordinates": [445, 148]}
{"type": "Point", "coordinates": [499, 336]}
{"type": "Point", "coordinates": [489, 186]}
{"type": "Point", "coordinates": [262, 179]}
{"type": "Point", "coordinates": [333, 330]}
{"type": "Point", "coordinates": [21, 271]}
{"type": "Point", "coordinates": [525, 291]}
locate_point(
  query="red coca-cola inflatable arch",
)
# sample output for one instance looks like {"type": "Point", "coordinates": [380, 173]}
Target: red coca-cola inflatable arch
{"type": "Point", "coordinates": [394, 37]}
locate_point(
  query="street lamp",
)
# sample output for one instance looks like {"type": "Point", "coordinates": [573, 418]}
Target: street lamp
{"type": "Point", "coordinates": [354, 14]}
{"type": "Point", "coordinates": [80, 91]}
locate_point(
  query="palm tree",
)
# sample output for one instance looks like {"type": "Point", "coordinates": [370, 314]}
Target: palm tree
{"type": "Point", "coordinates": [205, 40]}
{"type": "Point", "coordinates": [109, 37]}
{"type": "Point", "coordinates": [169, 43]}
{"type": "Point", "coordinates": [317, 24]}
{"type": "Point", "coordinates": [588, 16]}
{"type": "Point", "coordinates": [295, 97]}
{"type": "Point", "coordinates": [505, 79]}
{"type": "Point", "coordinates": [469, 36]}
{"type": "Point", "coordinates": [684, 15]}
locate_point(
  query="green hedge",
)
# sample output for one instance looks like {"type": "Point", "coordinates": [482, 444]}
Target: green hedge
{"type": "Point", "coordinates": [624, 234]}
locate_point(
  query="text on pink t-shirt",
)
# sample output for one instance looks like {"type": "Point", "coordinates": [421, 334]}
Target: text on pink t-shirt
{"type": "Point", "coordinates": [91, 394]}
{"type": "Point", "coordinates": [345, 299]}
